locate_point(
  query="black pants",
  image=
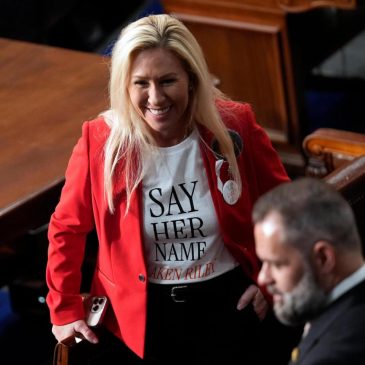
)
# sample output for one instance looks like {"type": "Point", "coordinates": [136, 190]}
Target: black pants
{"type": "Point", "coordinates": [204, 327]}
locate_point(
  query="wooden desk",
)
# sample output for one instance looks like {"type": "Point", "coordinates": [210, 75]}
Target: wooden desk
{"type": "Point", "coordinates": [45, 95]}
{"type": "Point", "coordinates": [246, 44]}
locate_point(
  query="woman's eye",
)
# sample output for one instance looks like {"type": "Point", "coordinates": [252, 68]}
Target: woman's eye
{"type": "Point", "coordinates": [168, 81]}
{"type": "Point", "coordinates": [141, 83]}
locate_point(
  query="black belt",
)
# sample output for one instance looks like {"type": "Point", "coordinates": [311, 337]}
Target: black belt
{"type": "Point", "coordinates": [218, 286]}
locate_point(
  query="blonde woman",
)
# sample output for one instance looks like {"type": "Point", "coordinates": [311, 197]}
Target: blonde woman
{"type": "Point", "coordinates": [167, 177]}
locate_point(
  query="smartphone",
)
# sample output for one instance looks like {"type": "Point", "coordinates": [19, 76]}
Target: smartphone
{"type": "Point", "coordinates": [95, 308]}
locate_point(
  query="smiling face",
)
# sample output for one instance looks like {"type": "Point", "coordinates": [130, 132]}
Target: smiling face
{"type": "Point", "coordinates": [159, 89]}
{"type": "Point", "coordinates": [287, 276]}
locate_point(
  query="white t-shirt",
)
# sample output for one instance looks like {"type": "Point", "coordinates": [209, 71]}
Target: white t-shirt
{"type": "Point", "coordinates": [182, 238]}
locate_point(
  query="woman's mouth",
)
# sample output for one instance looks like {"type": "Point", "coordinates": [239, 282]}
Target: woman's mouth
{"type": "Point", "coordinates": [158, 111]}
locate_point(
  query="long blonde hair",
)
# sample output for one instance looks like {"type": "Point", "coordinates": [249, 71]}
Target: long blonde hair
{"type": "Point", "coordinates": [129, 135]}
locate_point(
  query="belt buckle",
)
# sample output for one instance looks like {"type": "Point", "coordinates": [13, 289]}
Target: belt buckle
{"type": "Point", "coordinates": [174, 293]}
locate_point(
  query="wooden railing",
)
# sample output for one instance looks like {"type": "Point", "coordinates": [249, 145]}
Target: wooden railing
{"type": "Point", "coordinates": [327, 149]}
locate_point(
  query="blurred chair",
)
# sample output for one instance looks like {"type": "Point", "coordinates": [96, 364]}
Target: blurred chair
{"type": "Point", "coordinates": [339, 158]}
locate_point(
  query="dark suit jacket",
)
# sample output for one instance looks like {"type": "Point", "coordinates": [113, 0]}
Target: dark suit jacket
{"type": "Point", "coordinates": [337, 336]}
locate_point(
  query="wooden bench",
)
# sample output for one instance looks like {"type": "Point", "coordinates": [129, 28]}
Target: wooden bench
{"type": "Point", "coordinates": [339, 158]}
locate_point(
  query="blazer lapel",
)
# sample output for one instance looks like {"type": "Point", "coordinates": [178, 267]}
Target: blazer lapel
{"type": "Point", "coordinates": [320, 325]}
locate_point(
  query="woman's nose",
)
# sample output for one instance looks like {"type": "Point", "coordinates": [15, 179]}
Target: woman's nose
{"type": "Point", "coordinates": [156, 95]}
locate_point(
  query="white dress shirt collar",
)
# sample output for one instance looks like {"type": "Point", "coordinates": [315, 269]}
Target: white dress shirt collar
{"type": "Point", "coordinates": [347, 284]}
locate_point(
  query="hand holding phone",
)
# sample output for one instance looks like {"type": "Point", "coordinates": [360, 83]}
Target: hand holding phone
{"type": "Point", "coordinates": [95, 308]}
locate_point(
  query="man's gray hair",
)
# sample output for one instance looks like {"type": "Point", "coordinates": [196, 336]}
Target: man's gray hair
{"type": "Point", "coordinates": [311, 210]}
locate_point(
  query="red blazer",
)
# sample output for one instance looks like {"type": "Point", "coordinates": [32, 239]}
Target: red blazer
{"type": "Point", "coordinates": [121, 272]}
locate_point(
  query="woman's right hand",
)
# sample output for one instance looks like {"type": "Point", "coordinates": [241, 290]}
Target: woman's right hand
{"type": "Point", "coordinates": [67, 330]}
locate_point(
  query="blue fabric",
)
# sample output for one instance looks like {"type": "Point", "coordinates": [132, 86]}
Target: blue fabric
{"type": "Point", "coordinates": [7, 316]}
{"type": "Point", "coordinates": [151, 7]}
{"type": "Point", "coordinates": [337, 106]}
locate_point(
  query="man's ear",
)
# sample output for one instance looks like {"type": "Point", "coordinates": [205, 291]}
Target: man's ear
{"type": "Point", "coordinates": [324, 257]}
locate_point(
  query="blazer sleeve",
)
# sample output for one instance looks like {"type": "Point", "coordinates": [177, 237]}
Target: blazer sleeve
{"type": "Point", "coordinates": [266, 167]}
{"type": "Point", "coordinates": [68, 228]}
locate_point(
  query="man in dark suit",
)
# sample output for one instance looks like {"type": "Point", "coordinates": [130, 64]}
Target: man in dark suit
{"type": "Point", "coordinates": [313, 266]}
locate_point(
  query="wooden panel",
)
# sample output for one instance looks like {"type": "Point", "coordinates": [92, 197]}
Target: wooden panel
{"type": "Point", "coordinates": [259, 6]}
{"type": "Point", "coordinates": [304, 5]}
{"type": "Point", "coordinates": [236, 52]}
{"type": "Point", "coordinates": [247, 47]}
{"type": "Point", "coordinates": [250, 55]}
{"type": "Point", "coordinates": [225, 5]}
